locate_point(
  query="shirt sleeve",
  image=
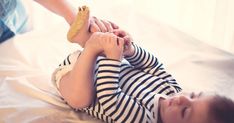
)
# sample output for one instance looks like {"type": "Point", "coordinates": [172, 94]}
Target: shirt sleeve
{"type": "Point", "coordinates": [63, 68]}
{"type": "Point", "coordinates": [148, 63]}
{"type": "Point", "coordinates": [115, 103]}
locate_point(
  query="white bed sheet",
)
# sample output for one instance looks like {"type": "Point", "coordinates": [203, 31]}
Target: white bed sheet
{"type": "Point", "coordinates": [27, 61]}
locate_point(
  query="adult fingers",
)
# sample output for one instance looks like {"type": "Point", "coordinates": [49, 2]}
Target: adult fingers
{"type": "Point", "coordinates": [107, 25]}
{"type": "Point", "coordinates": [94, 27]}
{"type": "Point", "coordinates": [114, 26]}
{"type": "Point", "coordinates": [101, 25]}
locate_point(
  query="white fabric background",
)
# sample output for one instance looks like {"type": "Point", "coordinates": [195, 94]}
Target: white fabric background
{"type": "Point", "coordinates": [211, 21]}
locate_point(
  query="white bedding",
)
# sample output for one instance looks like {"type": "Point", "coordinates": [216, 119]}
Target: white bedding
{"type": "Point", "coordinates": [27, 61]}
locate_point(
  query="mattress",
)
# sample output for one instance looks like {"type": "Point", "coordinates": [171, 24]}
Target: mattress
{"type": "Point", "coordinates": [27, 62]}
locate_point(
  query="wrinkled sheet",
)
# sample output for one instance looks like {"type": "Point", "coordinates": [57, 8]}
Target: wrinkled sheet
{"type": "Point", "coordinates": [27, 62]}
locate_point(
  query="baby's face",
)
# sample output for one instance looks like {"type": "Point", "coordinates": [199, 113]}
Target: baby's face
{"type": "Point", "coordinates": [185, 108]}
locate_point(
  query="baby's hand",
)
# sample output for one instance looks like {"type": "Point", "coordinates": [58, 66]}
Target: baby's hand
{"type": "Point", "coordinates": [128, 47]}
{"type": "Point", "coordinates": [94, 43]}
{"type": "Point", "coordinates": [106, 43]}
{"type": "Point", "coordinates": [112, 46]}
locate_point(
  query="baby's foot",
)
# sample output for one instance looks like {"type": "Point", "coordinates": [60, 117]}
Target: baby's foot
{"type": "Point", "coordinates": [79, 30]}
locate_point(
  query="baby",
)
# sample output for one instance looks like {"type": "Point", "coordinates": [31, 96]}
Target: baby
{"type": "Point", "coordinates": [115, 80]}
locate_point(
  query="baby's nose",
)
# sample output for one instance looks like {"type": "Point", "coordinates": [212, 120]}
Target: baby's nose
{"type": "Point", "coordinates": [183, 100]}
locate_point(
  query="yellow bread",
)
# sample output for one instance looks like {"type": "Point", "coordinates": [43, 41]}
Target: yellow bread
{"type": "Point", "coordinates": [81, 18]}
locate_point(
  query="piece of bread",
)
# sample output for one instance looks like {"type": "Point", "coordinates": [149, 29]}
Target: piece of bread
{"type": "Point", "coordinates": [81, 17]}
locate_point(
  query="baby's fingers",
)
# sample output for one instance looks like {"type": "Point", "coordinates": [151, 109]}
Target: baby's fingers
{"type": "Point", "coordinates": [120, 33]}
{"type": "Point", "coordinates": [114, 26]}
{"type": "Point", "coordinates": [127, 40]}
{"type": "Point", "coordinates": [120, 42]}
{"type": "Point", "coordinates": [107, 25]}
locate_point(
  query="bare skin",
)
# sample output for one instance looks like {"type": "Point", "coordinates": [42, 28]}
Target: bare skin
{"type": "Point", "coordinates": [185, 108]}
{"type": "Point", "coordinates": [88, 25]}
{"type": "Point", "coordinates": [79, 80]}
{"type": "Point", "coordinates": [60, 7]}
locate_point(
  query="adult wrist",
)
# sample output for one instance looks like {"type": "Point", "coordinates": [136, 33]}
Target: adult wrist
{"type": "Point", "coordinates": [70, 16]}
{"type": "Point", "coordinates": [70, 19]}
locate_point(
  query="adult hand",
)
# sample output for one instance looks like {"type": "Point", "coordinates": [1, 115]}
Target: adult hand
{"type": "Point", "coordinates": [92, 25]}
{"type": "Point", "coordinates": [99, 25]}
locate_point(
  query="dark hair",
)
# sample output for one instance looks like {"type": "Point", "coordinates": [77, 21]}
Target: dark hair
{"type": "Point", "coordinates": [221, 110]}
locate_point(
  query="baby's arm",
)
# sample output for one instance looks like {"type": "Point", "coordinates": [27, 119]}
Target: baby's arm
{"type": "Point", "coordinates": [150, 64]}
{"type": "Point", "coordinates": [145, 61]}
{"type": "Point", "coordinates": [116, 104]}
{"type": "Point", "coordinates": [141, 59]}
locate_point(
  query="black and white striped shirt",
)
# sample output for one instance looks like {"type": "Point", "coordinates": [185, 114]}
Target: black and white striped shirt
{"type": "Point", "coordinates": [127, 91]}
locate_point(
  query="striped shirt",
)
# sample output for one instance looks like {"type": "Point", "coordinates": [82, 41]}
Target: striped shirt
{"type": "Point", "coordinates": [127, 91]}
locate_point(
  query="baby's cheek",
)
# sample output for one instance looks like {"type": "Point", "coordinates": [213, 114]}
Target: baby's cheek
{"type": "Point", "coordinates": [171, 116]}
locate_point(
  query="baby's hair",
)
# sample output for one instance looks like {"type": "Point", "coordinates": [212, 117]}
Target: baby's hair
{"type": "Point", "coordinates": [221, 110]}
